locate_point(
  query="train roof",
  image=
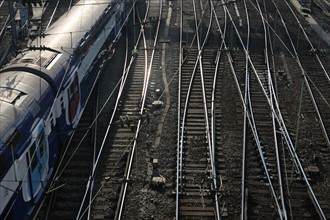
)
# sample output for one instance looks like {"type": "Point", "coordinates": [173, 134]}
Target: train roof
{"type": "Point", "coordinates": [53, 51]}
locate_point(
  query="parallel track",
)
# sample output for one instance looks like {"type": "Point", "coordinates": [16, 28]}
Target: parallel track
{"type": "Point", "coordinates": [216, 176]}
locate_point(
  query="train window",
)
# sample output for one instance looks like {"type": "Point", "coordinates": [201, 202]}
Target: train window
{"type": "Point", "coordinates": [13, 140]}
{"type": "Point", "coordinates": [33, 156]}
{"type": "Point", "coordinates": [34, 107]}
{"type": "Point", "coordinates": [73, 89]}
{"type": "Point", "coordinates": [27, 60]}
{"type": "Point", "coordinates": [70, 92]}
{"type": "Point", "coordinates": [41, 143]}
{"type": "Point", "coordinates": [2, 164]}
{"type": "Point", "coordinates": [51, 119]}
{"type": "Point", "coordinates": [111, 35]}
{"type": "Point", "coordinates": [62, 103]}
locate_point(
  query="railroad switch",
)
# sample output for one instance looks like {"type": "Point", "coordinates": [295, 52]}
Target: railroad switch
{"type": "Point", "coordinates": [155, 163]}
{"type": "Point", "coordinates": [156, 105]}
{"type": "Point", "coordinates": [158, 92]}
{"type": "Point", "coordinates": [158, 182]}
{"type": "Point", "coordinates": [224, 212]}
{"type": "Point", "coordinates": [282, 74]}
{"type": "Point", "coordinates": [135, 52]}
{"type": "Point", "coordinates": [313, 171]}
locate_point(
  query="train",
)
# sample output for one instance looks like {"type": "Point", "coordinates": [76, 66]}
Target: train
{"type": "Point", "coordinates": [43, 93]}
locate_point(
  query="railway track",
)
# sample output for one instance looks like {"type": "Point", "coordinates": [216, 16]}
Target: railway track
{"type": "Point", "coordinates": [317, 82]}
{"type": "Point", "coordinates": [264, 177]}
{"type": "Point", "coordinates": [197, 197]}
{"type": "Point", "coordinates": [197, 177]}
{"type": "Point", "coordinates": [119, 144]}
{"type": "Point", "coordinates": [314, 82]}
{"type": "Point", "coordinates": [143, 177]}
{"type": "Point", "coordinates": [291, 198]}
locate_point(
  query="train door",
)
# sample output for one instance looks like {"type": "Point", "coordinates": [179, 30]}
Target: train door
{"type": "Point", "coordinates": [38, 159]}
{"type": "Point", "coordinates": [74, 98]}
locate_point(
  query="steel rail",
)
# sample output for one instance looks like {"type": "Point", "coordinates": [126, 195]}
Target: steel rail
{"type": "Point", "coordinates": [4, 26]}
{"type": "Point", "coordinates": [249, 118]}
{"type": "Point", "coordinates": [94, 157]}
{"type": "Point", "coordinates": [253, 68]}
{"type": "Point", "coordinates": [244, 140]}
{"type": "Point", "coordinates": [70, 5]}
{"type": "Point", "coordinates": [179, 165]}
{"type": "Point", "coordinates": [89, 185]}
{"type": "Point", "coordinates": [306, 77]}
{"type": "Point", "coordinates": [296, 158]}
{"type": "Point", "coordinates": [52, 16]}
{"type": "Point", "coordinates": [244, 193]}
{"type": "Point", "coordinates": [278, 117]}
{"type": "Point", "coordinates": [145, 82]}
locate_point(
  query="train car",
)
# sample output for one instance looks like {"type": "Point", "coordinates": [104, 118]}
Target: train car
{"type": "Point", "coordinates": [43, 92]}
